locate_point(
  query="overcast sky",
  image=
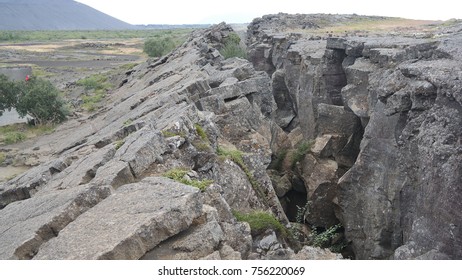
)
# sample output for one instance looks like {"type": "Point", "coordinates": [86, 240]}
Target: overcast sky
{"type": "Point", "coordinates": [239, 11]}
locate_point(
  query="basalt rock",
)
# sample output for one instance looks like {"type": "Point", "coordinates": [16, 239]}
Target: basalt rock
{"type": "Point", "coordinates": [385, 111]}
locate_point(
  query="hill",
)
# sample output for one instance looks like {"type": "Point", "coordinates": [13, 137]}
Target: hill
{"type": "Point", "coordinates": [54, 15]}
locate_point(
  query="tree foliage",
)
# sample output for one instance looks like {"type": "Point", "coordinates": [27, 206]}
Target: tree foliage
{"type": "Point", "coordinates": [36, 97]}
{"type": "Point", "coordinates": [8, 93]}
{"type": "Point", "coordinates": [158, 47]}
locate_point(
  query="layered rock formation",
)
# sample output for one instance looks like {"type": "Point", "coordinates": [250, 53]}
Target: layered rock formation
{"type": "Point", "coordinates": [385, 109]}
{"type": "Point", "coordinates": [105, 194]}
{"type": "Point", "coordinates": [315, 129]}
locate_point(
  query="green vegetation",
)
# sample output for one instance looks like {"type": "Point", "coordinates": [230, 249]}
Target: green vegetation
{"type": "Point", "coordinates": [300, 152]}
{"type": "Point", "coordinates": [118, 144]}
{"type": "Point", "coordinates": [95, 82]}
{"type": "Point", "coordinates": [278, 161]}
{"type": "Point", "coordinates": [58, 35]}
{"type": "Point", "coordinates": [36, 97]}
{"type": "Point", "coordinates": [96, 86]}
{"type": "Point", "coordinates": [260, 221]}
{"type": "Point", "coordinates": [296, 230]}
{"type": "Point", "coordinates": [12, 134]}
{"type": "Point", "coordinates": [232, 47]}
{"type": "Point", "coordinates": [158, 47]}
{"type": "Point", "coordinates": [180, 175]}
{"type": "Point", "coordinates": [201, 132]}
{"type": "Point", "coordinates": [237, 157]}
{"type": "Point", "coordinates": [169, 133]}
{"type": "Point", "coordinates": [202, 144]}
{"type": "Point", "coordinates": [324, 238]}
{"type": "Point", "coordinates": [2, 158]}
{"type": "Point", "coordinates": [14, 137]}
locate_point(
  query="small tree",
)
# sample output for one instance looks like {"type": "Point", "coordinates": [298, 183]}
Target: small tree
{"type": "Point", "coordinates": [41, 100]}
{"type": "Point", "coordinates": [158, 47]}
{"type": "Point", "coordinates": [8, 93]}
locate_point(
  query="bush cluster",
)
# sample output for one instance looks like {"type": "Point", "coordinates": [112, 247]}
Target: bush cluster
{"type": "Point", "coordinates": [158, 47]}
{"type": "Point", "coordinates": [232, 47]}
{"type": "Point", "coordinates": [36, 97]}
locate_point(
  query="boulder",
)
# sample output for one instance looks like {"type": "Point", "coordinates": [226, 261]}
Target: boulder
{"type": "Point", "coordinates": [129, 223]}
{"type": "Point", "coordinates": [27, 225]}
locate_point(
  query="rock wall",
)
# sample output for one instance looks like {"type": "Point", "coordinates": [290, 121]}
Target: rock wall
{"type": "Point", "coordinates": [317, 130]}
{"type": "Point", "coordinates": [105, 193]}
{"type": "Point", "coordinates": [385, 115]}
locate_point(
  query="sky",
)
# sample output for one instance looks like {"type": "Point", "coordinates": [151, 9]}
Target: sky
{"type": "Point", "coordinates": [241, 11]}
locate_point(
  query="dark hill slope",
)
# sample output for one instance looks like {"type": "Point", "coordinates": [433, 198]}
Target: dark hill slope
{"type": "Point", "coordinates": [54, 15]}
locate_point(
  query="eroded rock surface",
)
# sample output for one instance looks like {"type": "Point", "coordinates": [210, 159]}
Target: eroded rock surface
{"type": "Point", "coordinates": [316, 129]}
{"type": "Point", "coordinates": [384, 113]}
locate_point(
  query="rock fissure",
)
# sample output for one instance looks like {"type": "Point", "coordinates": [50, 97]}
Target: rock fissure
{"type": "Point", "coordinates": [362, 131]}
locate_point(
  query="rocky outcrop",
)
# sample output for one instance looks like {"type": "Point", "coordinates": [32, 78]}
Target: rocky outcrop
{"type": "Point", "coordinates": [384, 112]}
{"type": "Point", "coordinates": [105, 194]}
{"type": "Point", "coordinates": [316, 130]}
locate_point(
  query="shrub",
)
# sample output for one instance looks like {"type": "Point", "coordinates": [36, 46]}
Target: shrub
{"type": "Point", "coordinates": [42, 101]}
{"type": "Point", "coordinates": [2, 158]}
{"type": "Point", "coordinates": [232, 47]}
{"type": "Point", "coordinates": [300, 152]}
{"type": "Point", "coordinates": [158, 47]}
{"type": "Point", "coordinates": [324, 238]}
{"type": "Point", "coordinates": [8, 93]}
{"type": "Point", "coordinates": [260, 221]}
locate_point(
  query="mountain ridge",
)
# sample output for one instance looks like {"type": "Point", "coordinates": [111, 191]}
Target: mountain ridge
{"type": "Point", "coordinates": [55, 15]}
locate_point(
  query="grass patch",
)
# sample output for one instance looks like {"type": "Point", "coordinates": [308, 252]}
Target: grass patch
{"type": "Point", "coordinates": [2, 158]}
{"type": "Point", "coordinates": [180, 175]}
{"type": "Point", "coordinates": [95, 82]}
{"type": "Point", "coordinates": [169, 133]}
{"type": "Point", "coordinates": [201, 132]}
{"type": "Point", "coordinates": [260, 221]}
{"type": "Point", "coordinates": [14, 137]}
{"type": "Point", "coordinates": [96, 87]}
{"type": "Point", "coordinates": [233, 48]}
{"type": "Point", "coordinates": [128, 66]}
{"type": "Point", "coordinates": [16, 133]}
{"type": "Point", "coordinates": [118, 144]}
{"type": "Point", "coordinates": [202, 146]}
{"type": "Point", "coordinates": [59, 35]}
{"type": "Point", "coordinates": [91, 102]}
{"type": "Point", "coordinates": [300, 152]}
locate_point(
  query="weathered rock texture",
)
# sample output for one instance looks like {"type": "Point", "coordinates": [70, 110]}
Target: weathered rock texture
{"type": "Point", "coordinates": [362, 131]}
{"type": "Point", "coordinates": [105, 194]}
{"type": "Point", "coordinates": [385, 112]}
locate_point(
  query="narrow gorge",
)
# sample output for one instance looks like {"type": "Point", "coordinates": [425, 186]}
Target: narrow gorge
{"type": "Point", "coordinates": [348, 140]}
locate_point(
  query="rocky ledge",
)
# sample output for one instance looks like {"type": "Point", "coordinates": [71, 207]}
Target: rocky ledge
{"type": "Point", "coordinates": [358, 136]}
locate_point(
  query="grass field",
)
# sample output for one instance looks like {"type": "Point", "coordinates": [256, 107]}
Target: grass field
{"type": "Point", "coordinates": [43, 36]}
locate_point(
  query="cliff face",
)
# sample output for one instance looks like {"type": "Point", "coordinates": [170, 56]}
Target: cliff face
{"type": "Point", "coordinates": [190, 115]}
{"type": "Point", "coordinates": [386, 109]}
{"type": "Point", "coordinates": [315, 129]}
